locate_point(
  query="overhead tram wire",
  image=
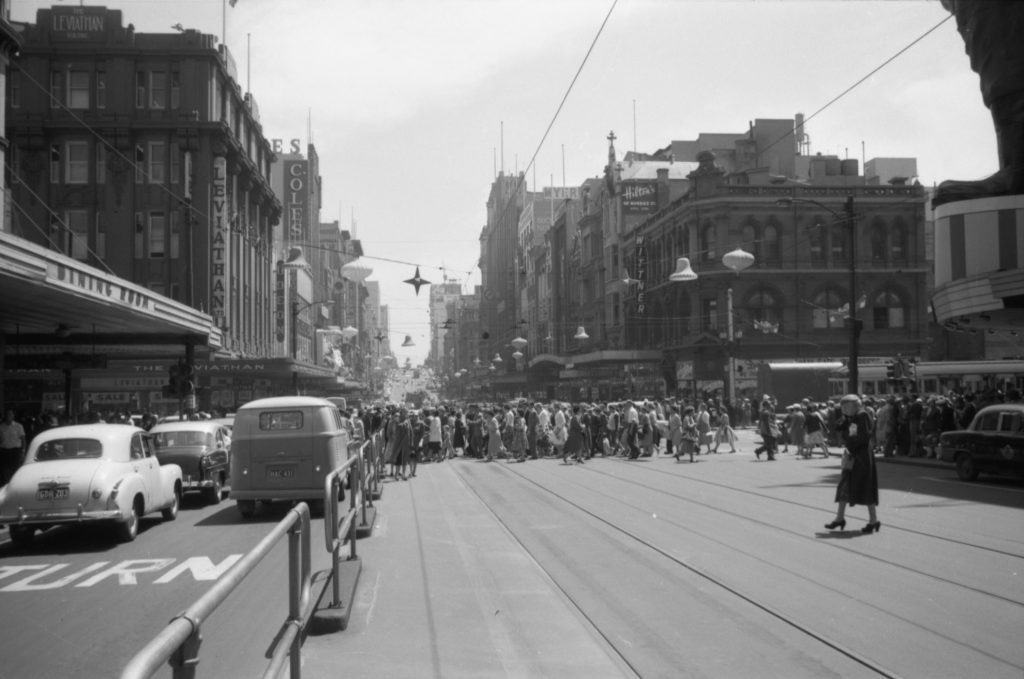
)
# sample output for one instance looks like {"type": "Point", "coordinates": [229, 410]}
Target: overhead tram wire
{"type": "Point", "coordinates": [861, 81]}
{"type": "Point", "coordinates": [565, 97]}
{"type": "Point", "coordinates": [63, 225]}
{"type": "Point", "coordinates": [196, 212]}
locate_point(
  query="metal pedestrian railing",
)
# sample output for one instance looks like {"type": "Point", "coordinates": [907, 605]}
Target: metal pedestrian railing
{"type": "Point", "coordinates": [178, 643]}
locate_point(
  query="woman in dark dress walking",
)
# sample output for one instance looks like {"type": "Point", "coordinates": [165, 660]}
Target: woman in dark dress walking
{"type": "Point", "coordinates": [858, 483]}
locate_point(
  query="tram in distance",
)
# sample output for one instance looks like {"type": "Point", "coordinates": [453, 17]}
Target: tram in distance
{"type": "Point", "coordinates": [936, 377]}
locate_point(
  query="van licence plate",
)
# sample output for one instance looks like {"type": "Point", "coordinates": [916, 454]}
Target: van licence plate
{"type": "Point", "coordinates": [280, 472]}
{"type": "Point", "coordinates": [48, 494]}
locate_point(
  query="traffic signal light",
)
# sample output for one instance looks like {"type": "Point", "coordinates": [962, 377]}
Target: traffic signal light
{"type": "Point", "coordinates": [890, 371]}
{"type": "Point", "coordinates": [188, 374]}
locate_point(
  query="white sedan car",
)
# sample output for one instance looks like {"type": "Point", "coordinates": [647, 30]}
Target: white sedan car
{"type": "Point", "coordinates": [85, 473]}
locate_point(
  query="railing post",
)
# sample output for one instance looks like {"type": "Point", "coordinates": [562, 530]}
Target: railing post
{"type": "Point", "coordinates": [352, 527]}
{"type": "Point", "coordinates": [296, 557]}
{"type": "Point", "coordinates": [335, 548]}
{"type": "Point", "coordinates": [185, 658]}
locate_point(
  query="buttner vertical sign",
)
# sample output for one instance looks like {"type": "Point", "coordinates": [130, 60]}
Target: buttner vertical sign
{"type": "Point", "coordinates": [220, 242]}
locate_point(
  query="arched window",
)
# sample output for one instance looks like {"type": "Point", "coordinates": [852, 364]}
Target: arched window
{"type": "Point", "coordinates": [752, 239]}
{"type": "Point", "coordinates": [770, 239]}
{"type": "Point", "coordinates": [898, 240]}
{"type": "Point", "coordinates": [879, 246]}
{"type": "Point", "coordinates": [707, 242]}
{"type": "Point", "coordinates": [826, 312]}
{"type": "Point", "coordinates": [816, 238]}
{"type": "Point", "coordinates": [837, 243]}
{"type": "Point", "coordinates": [888, 311]}
{"type": "Point", "coordinates": [763, 309]}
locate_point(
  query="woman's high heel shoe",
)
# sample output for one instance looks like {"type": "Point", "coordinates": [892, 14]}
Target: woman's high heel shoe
{"type": "Point", "coordinates": [872, 527]}
{"type": "Point", "coordinates": [840, 524]}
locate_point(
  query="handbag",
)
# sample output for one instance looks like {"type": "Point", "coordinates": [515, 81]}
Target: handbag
{"type": "Point", "coordinates": [847, 460]}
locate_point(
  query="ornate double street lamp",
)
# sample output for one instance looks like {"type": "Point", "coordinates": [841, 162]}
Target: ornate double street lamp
{"type": "Point", "coordinates": [848, 219]}
{"type": "Point", "coordinates": [737, 260]}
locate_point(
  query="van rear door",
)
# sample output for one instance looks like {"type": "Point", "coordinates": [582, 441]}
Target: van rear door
{"type": "Point", "coordinates": [282, 454]}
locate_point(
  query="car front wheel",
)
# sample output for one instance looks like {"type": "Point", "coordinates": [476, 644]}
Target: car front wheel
{"type": "Point", "coordinates": [966, 469]}
{"type": "Point", "coordinates": [215, 491]}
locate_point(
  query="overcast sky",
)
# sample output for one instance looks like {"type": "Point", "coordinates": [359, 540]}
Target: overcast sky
{"type": "Point", "coordinates": [408, 100]}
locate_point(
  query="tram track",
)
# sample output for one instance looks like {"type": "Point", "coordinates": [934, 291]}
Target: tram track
{"type": "Point", "coordinates": [858, 658]}
{"type": "Point", "coordinates": [607, 500]}
{"type": "Point", "coordinates": [801, 534]}
{"type": "Point", "coordinates": [747, 492]}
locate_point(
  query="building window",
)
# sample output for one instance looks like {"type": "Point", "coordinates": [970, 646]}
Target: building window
{"type": "Point", "coordinates": [763, 309]}
{"type": "Point", "coordinates": [887, 311]}
{"type": "Point", "coordinates": [709, 315]}
{"type": "Point", "coordinates": [898, 241]}
{"type": "Point", "coordinates": [157, 158]}
{"type": "Point", "coordinates": [837, 242]}
{"type": "Point", "coordinates": [140, 236]}
{"type": "Point", "coordinates": [770, 240]}
{"type": "Point", "coordinates": [175, 160]}
{"type": "Point", "coordinates": [826, 312]}
{"type": "Point", "coordinates": [101, 163]}
{"type": "Point", "coordinates": [101, 89]}
{"type": "Point", "coordinates": [174, 233]}
{"type": "Point", "coordinates": [878, 244]}
{"type": "Point", "coordinates": [140, 164]}
{"type": "Point", "coordinates": [101, 236]}
{"type": "Point", "coordinates": [55, 163]}
{"type": "Point", "coordinates": [77, 223]}
{"type": "Point", "coordinates": [752, 240]}
{"type": "Point", "coordinates": [817, 245]}
{"type": "Point", "coordinates": [158, 89]}
{"type": "Point", "coordinates": [140, 89]}
{"type": "Point", "coordinates": [157, 234]}
{"type": "Point", "coordinates": [78, 89]}
{"type": "Point", "coordinates": [708, 245]}
{"type": "Point", "coordinates": [175, 90]}
{"type": "Point", "coordinates": [77, 169]}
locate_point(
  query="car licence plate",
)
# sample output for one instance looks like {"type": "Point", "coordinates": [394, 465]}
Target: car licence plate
{"type": "Point", "coordinates": [48, 494]}
{"type": "Point", "coordinates": [280, 472]}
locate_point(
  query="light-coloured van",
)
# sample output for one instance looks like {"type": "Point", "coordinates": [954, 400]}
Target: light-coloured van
{"type": "Point", "coordinates": [282, 448]}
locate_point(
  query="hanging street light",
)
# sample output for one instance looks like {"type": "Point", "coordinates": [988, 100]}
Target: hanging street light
{"type": "Point", "coordinates": [738, 260]}
{"type": "Point", "coordinates": [684, 272]}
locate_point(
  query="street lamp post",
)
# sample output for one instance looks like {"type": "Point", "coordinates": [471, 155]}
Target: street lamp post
{"type": "Point", "coordinates": [855, 324]}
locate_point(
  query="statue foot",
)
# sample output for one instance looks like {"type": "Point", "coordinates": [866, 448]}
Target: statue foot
{"type": "Point", "coordinates": [1003, 183]}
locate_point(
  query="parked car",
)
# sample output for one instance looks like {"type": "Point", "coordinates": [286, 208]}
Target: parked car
{"type": "Point", "coordinates": [283, 448]}
{"type": "Point", "coordinates": [993, 443]}
{"type": "Point", "coordinates": [202, 448]}
{"type": "Point", "coordinates": [85, 473]}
